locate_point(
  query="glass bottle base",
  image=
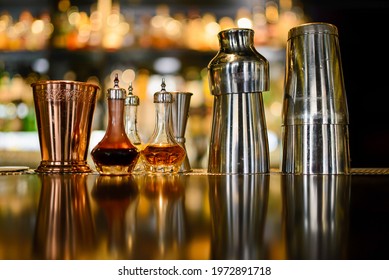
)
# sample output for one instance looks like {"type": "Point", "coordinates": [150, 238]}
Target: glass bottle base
{"type": "Point", "coordinates": [165, 158]}
{"type": "Point", "coordinates": [162, 169]}
{"type": "Point", "coordinates": [115, 161]}
{"type": "Point", "coordinates": [114, 170]}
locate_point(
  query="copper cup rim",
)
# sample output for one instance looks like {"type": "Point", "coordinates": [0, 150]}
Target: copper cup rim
{"type": "Point", "coordinates": [63, 82]}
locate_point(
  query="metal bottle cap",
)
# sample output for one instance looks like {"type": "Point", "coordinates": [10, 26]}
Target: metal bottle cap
{"type": "Point", "coordinates": [116, 92]}
{"type": "Point", "coordinates": [163, 96]}
{"type": "Point", "coordinates": [131, 99]}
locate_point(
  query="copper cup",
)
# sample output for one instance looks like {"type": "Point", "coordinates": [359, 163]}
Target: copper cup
{"type": "Point", "coordinates": [64, 113]}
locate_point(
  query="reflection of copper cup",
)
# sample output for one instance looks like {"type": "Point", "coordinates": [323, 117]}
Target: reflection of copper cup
{"type": "Point", "coordinates": [64, 226]}
{"type": "Point", "coordinates": [64, 112]}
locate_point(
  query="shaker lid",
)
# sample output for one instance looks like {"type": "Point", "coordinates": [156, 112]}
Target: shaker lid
{"type": "Point", "coordinates": [163, 96]}
{"type": "Point", "coordinates": [238, 67]}
{"type": "Point", "coordinates": [131, 99]}
{"type": "Point", "coordinates": [313, 28]}
{"type": "Point", "coordinates": [116, 92]}
{"type": "Point", "coordinates": [236, 38]}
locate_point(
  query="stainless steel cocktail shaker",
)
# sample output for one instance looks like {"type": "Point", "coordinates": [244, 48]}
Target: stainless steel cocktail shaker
{"type": "Point", "coordinates": [315, 115]}
{"type": "Point", "coordinates": [238, 75]}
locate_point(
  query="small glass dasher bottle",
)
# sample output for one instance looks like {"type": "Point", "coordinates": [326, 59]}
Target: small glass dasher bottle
{"type": "Point", "coordinates": [131, 104]}
{"type": "Point", "coordinates": [115, 154]}
{"type": "Point", "coordinates": [162, 153]}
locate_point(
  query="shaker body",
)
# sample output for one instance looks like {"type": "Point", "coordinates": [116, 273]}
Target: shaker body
{"type": "Point", "coordinates": [238, 75]}
{"type": "Point", "coordinates": [315, 137]}
{"type": "Point", "coordinates": [239, 142]}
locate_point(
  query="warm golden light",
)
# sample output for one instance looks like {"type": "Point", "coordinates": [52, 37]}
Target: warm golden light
{"type": "Point", "coordinates": [269, 19]}
{"type": "Point", "coordinates": [128, 76]}
{"type": "Point", "coordinates": [226, 23]}
{"type": "Point", "coordinates": [245, 23]}
{"type": "Point", "coordinates": [37, 26]}
{"type": "Point", "coordinates": [74, 18]}
{"type": "Point", "coordinates": [272, 12]}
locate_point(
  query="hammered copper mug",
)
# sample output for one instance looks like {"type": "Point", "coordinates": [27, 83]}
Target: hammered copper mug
{"type": "Point", "coordinates": [64, 113]}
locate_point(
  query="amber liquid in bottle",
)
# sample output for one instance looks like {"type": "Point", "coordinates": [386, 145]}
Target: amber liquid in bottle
{"type": "Point", "coordinates": [112, 157]}
{"type": "Point", "coordinates": [115, 154]}
{"type": "Point", "coordinates": [163, 154]}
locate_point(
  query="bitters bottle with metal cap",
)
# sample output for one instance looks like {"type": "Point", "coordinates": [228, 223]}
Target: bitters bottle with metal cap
{"type": "Point", "coordinates": [115, 154]}
{"type": "Point", "coordinates": [162, 153]}
{"type": "Point", "coordinates": [131, 104]}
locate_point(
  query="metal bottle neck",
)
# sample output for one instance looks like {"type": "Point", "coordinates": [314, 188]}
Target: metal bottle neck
{"type": "Point", "coordinates": [236, 39]}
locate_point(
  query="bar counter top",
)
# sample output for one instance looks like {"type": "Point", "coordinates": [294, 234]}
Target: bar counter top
{"type": "Point", "coordinates": [195, 216]}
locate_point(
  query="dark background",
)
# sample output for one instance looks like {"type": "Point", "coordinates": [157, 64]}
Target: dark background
{"type": "Point", "coordinates": [363, 31]}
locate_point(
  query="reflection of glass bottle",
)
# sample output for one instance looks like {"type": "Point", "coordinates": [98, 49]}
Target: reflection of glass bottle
{"type": "Point", "coordinates": [115, 154]}
{"type": "Point", "coordinates": [166, 236]}
{"type": "Point", "coordinates": [130, 124]}
{"type": "Point", "coordinates": [117, 196]}
{"type": "Point", "coordinates": [162, 153]}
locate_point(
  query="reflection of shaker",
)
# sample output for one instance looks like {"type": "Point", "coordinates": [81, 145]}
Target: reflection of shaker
{"type": "Point", "coordinates": [238, 75]}
{"type": "Point", "coordinates": [315, 114]}
{"type": "Point", "coordinates": [238, 206]}
{"type": "Point", "coordinates": [316, 215]}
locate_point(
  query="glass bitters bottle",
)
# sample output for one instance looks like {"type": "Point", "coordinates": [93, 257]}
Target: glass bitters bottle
{"type": "Point", "coordinates": [131, 104]}
{"type": "Point", "coordinates": [162, 153]}
{"type": "Point", "coordinates": [115, 154]}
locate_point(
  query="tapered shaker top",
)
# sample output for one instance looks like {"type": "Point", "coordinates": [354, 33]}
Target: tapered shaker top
{"type": "Point", "coordinates": [238, 67]}
{"type": "Point", "coordinates": [314, 84]}
{"type": "Point", "coordinates": [313, 28]}
{"type": "Point", "coordinates": [236, 39]}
